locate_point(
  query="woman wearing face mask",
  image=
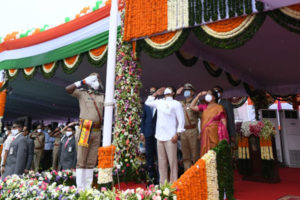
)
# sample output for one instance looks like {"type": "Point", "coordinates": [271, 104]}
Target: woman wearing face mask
{"type": "Point", "coordinates": [213, 121]}
{"type": "Point", "coordinates": [67, 150]}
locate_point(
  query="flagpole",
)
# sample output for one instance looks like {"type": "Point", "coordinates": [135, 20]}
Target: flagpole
{"type": "Point", "coordinates": [110, 74]}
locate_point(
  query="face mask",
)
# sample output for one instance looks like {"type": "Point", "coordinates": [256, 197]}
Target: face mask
{"type": "Point", "coordinates": [39, 130]}
{"type": "Point", "coordinates": [14, 132]}
{"type": "Point", "coordinates": [68, 133]}
{"type": "Point", "coordinates": [219, 94]}
{"type": "Point", "coordinates": [5, 129]}
{"type": "Point", "coordinates": [95, 85]}
{"type": "Point", "coordinates": [208, 98]}
{"type": "Point", "coordinates": [167, 91]}
{"type": "Point", "coordinates": [49, 131]}
{"type": "Point", "coordinates": [6, 132]}
{"type": "Point", "coordinates": [187, 93]}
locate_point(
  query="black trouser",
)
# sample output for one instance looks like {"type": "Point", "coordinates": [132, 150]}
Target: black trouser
{"type": "Point", "coordinates": [151, 156]}
{"type": "Point", "coordinates": [47, 160]}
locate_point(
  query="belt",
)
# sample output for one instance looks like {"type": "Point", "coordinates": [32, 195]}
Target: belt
{"type": "Point", "coordinates": [56, 144]}
{"type": "Point", "coordinates": [190, 126]}
{"type": "Point", "coordinates": [41, 148]}
{"type": "Point", "coordinates": [96, 125]}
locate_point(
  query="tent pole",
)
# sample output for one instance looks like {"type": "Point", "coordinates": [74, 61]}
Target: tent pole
{"type": "Point", "coordinates": [110, 74]}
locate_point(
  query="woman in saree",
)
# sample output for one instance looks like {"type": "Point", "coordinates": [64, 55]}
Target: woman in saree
{"type": "Point", "coordinates": [213, 121]}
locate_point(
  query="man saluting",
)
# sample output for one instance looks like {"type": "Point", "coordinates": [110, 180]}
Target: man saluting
{"type": "Point", "coordinates": [91, 103]}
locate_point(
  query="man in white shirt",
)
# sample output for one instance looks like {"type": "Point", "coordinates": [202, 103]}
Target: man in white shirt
{"type": "Point", "coordinates": [170, 123]}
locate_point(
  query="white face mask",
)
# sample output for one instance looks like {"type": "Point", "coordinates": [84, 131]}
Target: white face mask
{"type": "Point", "coordinates": [69, 133]}
{"type": "Point", "coordinates": [208, 98]}
{"type": "Point", "coordinates": [6, 132]}
{"type": "Point", "coordinates": [219, 94]}
{"type": "Point", "coordinates": [14, 132]}
{"type": "Point", "coordinates": [5, 129]}
{"type": "Point", "coordinates": [39, 130]}
{"type": "Point", "coordinates": [49, 131]}
{"type": "Point", "coordinates": [95, 85]}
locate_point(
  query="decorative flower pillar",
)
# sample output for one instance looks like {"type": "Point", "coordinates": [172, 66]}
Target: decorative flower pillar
{"type": "Point", "coordinates": [128, 109]}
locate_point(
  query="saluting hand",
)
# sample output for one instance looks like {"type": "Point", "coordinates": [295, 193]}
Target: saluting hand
{"type": "Point", "coordinates": [160, 91]}
{"type": "Point", "coordinates": [179, 91]}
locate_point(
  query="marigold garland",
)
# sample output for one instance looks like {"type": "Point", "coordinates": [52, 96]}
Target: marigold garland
{"type": "Point", "coordinates": [193, 183]}
{"type": "Point", "coordinates": [237, 36]}
{"type": "Point", "coordinates": [3, 95]}
{"type": "Point", "coordinates": [12, 74]}
{"type": "Point", "coordinates": [106, 156]}
{"type": "Point", "coordinates": [49, 69]}
{"type": "Point", "coordinates": [288, 17]}
{"type": "Point", "coordinates": [211, 175]}
{"type": "Point", "coordinates": [165, 45]}
{"type": "Point", "coordinates": [98, 56]}
{"type": "Point", "coordinates": [29, 72]}
{"type": "Point", "coordinates": [71, 64]}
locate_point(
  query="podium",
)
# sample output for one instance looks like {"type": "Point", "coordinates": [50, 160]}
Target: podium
{"type": "Point", "coordinates": [261, 170]}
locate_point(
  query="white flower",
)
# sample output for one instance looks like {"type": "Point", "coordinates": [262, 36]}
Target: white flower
{"type": "Point", "coordinates": [166, 192]}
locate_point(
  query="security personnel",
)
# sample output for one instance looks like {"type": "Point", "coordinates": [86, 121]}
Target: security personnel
{"type": "Point", "coordinates": [91, 104]}
{"type": "Point", "coordinates": [39, 143]}
{"type": "Point", "coordinates": [17, 155]}
{"type": "Point", "coordinates": [189, 138]}
{"type": "Point", "coordinates": [57, 134]}
{"type": "Point", "coordinates": [67, 150]}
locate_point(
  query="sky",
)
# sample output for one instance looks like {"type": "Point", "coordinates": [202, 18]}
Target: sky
{"type": "Point", "coordinates": [22, 15]}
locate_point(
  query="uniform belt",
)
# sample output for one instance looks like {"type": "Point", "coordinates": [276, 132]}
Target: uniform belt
{"type": "Point", "coordinates": [96, 125]}
{"type": "Point", "coordinates": [190, 126]}
{"type": "Point", "coordinates": [39, 148]}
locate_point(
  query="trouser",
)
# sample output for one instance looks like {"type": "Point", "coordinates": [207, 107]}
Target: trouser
{"type": "Point", "coordinates": [38, 153]}
{"type": "Point", "coordinates": [190, 147]}
{"type": "Point", "coordinates": [87, 156]}
{"type": "Point", "coordinates": [167, 153]}
{"type": "Point", "coordinates": [151, 154]}
{"type": "Point", "coordinates": [86, 161]}
{"type": "Point", "coordinates": [55, 157]}
{"type": "Point", "coordinates": [47, 160]}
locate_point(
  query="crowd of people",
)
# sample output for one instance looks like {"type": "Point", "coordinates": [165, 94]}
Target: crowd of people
{"type": "Point", "coordinates": [172, 121]}
{"type": "Point", "coordinates": [191, 126]}
{"type": "Point", "coordinates": [39, 149]}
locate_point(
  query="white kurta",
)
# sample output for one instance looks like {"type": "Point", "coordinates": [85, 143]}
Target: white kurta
{"type": "Point", "coordinates": [170, 117]}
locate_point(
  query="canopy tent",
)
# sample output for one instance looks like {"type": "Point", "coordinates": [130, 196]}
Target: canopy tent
{"type": "Point", "coordinates": [252, 63]}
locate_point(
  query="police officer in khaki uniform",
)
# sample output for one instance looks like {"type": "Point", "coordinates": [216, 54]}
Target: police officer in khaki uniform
{"type": "Point", "coordinates": [91, 104]}
{"type": "Point", "coordinates": [39, 143]}
{"type": "Point", "coordinates": [57, 134]}
{"type": "Point", "coordinates": [189, 139]}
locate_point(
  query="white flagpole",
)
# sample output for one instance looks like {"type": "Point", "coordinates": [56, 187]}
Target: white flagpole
{"type": "Point", "coordinates": [110, 74]}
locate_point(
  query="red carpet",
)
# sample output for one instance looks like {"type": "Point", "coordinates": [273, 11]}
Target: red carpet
{"type": "Point", "coordinates": [287, 189]}
{"type": "Point", "coordinates": [289, 186]}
